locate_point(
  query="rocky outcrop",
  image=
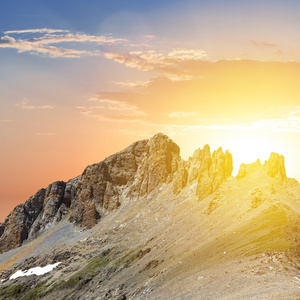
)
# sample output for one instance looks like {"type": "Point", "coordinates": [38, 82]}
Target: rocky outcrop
{"type": "Point", "coordinates": [16, 229]}
{"type": "Point", "coordinates": [158, 165]}
{"type": "Point", "coordinates": [180, 177]}
{"type": "Point", "coordinates": [2, 227]}
{"type": "Point", "coordinates": [56, 203]}
{"type": "Point", "coordinates": [209, 171]}
{"type": "Point", "coordinates": [100, 185]}
{"type": "Point", "coordinates": [273, 167]}
{"type": "Point", "coordinates": [45, 208]}
{"type": "Point", "coordinates": [248, 169]}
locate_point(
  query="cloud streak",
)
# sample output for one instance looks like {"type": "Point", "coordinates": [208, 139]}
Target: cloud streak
{"type": "Point", "coordinates": [41, 30]}
{"type": "Point", "coordinates": [170, 64]}
{"type": "Point", "coordinates": [6, 121]}
{"type": "Point", "coordinates": [263, 44]}
{"type": "Point", "coordinates": [25, 105]}
{"type": "Point", "coordinates": [44, 44]}
{"type": "Point", "coordinates": [133, 83]}
{"type": "Point", "coordinates": [46, 133]}
{"type": "Point", "coordinates": [112, 110]}
{"type": "Point", "coordinates": [181, 114]}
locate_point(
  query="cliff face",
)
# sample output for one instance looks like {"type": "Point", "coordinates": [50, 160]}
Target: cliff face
{"type": "Point", "coordinates": [101, 184]}
{"type": "Point", "coordinates": [273, 167]}
{"type": "Point", "coordinates": [134, 172]}
{"type": "Point", "coordinates": [208, 170]}
{"type": "Point", "coordinates": [47, 207]}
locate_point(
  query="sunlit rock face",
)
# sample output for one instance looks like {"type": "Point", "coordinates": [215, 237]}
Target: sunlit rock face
{"type": "Point", "coordinates": [101, 184]}
{"type": "Point", "coordinates": [273, 167]}
{"type": "Point", "coordinates": [209, 170]}
{"type": "Point", "coordinates": [158, 165]}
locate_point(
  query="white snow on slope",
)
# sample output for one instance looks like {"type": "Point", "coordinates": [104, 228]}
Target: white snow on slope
{"type": "Point", "coordinates": [34, 271]}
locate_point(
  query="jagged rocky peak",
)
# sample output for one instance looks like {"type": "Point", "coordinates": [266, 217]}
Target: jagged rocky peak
{"type": "Point", "coordinates": [40, 211]}
{"type": "Point", "coordinates": [158, 165]}
{"type": "Point", "coordinates": [100, 185]}
{"type": "Point", "coordinates": [134, 172]}
{"type": "Point", "coordinates": [209, 171]}
{"type": "Point", "coordinates": [273, 167]}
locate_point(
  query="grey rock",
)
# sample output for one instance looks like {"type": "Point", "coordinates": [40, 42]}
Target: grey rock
{"type": "Point", "coordinates": [100, 185]}
{"type": "Point", "coordinates": [2, 228]}
{"type": "Point", "coordinates": [40, 211]}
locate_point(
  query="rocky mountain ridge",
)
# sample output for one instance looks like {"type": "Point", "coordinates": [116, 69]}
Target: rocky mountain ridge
{"type": "Point", "coordinates": [131, 173]}
{"type": "Point", "coordinates": [145, 224]}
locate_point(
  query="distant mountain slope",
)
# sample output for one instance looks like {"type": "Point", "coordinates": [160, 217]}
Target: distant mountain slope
{"type": "Point", "coordinates": [152, 226]}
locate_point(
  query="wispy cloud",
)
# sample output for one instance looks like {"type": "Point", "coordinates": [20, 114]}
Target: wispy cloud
{"type": "Point", "coordinates": [44, 44]}
{"type": "Point", "coordinates": [178, 77]}
{"type": "Point", "coordinates": [54, 39]}
{"type": "Point", "coordinates": [6, 121]}
{"type": "Point", "coordinates": [167, 63]}
{"type": "Point", "coordinates": [41, 30]}
{"type": "Point", "coordinates": [46, 133]}
{"type": "Point", "coordinates": [133, 83]}
{"type": "Point", "coordinates": [112, 110]}
{"type": "Point", "coordinates": [25, 105]}
{"type": "Point", "coordinates": [288, 122]}
{"type": "Point", "coordinates": [181, 114]}
{"type": "Point", "coordinates": [263, 44]}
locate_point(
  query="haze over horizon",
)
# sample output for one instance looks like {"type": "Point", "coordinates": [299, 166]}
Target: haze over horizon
{"type": "Point", "coordinates": [83, 80]}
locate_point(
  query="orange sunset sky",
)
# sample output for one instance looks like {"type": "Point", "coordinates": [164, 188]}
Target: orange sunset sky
{"type": "Point", "coordinates": [81, 80]}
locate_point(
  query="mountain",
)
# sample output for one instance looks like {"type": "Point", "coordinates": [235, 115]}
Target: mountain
{"type": "Point", "coordinates": [145, 224]}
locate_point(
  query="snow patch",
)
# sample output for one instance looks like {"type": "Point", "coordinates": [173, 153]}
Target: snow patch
{"type": "Point", "coordinates": [34, 271]}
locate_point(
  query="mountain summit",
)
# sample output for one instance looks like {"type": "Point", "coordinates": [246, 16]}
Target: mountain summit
{"type": "Point", "coordinates": [134, 172]}
{"type": "Point", "coordinates": [145, 224]}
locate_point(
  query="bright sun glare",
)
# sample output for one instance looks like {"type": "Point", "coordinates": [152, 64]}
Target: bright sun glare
{"type": "Point", "coordinates": [250, 147]}
{"type": "Point", "coordinates": [246, 147]}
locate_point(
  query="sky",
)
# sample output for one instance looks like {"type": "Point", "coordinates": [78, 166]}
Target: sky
{"type": "Point", "coordinates": [81, 80]}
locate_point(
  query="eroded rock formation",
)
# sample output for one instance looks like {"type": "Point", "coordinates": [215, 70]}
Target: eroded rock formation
{"type": "Point", "coordinates": [100, 185]}
{"type": "Point", "coordinates": [45, 208]}
{"type": "Point", "coordinates": [158, 165]}
{"type": "Point", "coordinates": [212, 170]}
{"type": "Point", "coordinates": [273, 167]}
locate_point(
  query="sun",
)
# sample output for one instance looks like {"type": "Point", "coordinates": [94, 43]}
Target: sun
{"type": "Point", "coordinates": [248, 146]}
